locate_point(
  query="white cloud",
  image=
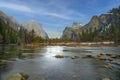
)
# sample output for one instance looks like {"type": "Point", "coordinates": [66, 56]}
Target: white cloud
{"type": "Point", "coordinates": [16, 7]}
{"type": "Point", "coordinates": [31, 10]}
{"type": "Point", "coordinates": [58, 15]}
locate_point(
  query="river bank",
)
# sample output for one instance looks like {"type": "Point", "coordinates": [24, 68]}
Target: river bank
{"type": "Point", "coordinates": [72, 44]}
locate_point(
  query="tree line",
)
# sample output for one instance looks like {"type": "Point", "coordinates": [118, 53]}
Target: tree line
{"type": "Point", "coordinates": [8, 35]}
{"type": "Point", "coordinates": [110, 33]}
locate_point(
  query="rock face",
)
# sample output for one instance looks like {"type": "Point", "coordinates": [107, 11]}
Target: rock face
{"type": "Point", "coordinates": [99, 22]}
{"type": "Point", "coordinates": [76, 25]}
{"type": "Point", "coordinates": [9, 21]}
{"type": "Point", "coordinates": [70, 32]}
{"type": "Point", "coordinates": [29, 25]}
{"type": "Point", "coordinates": [102, 21]}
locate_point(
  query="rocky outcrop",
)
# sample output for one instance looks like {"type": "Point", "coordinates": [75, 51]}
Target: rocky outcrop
{"type": "Point", "coordinates": [29, 25]}
{"type": "Point", "coordinates": [67, 32]}
{"type": "Point", "coordinates": [99, 22]}
{"type": "Point", "coordinates": [70, 32]}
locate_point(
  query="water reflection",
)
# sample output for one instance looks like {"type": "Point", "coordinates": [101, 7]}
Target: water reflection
{"type": "Point", "coordinates": [40, 63]}
{"type": "Point", "coordinates": [8, 52]}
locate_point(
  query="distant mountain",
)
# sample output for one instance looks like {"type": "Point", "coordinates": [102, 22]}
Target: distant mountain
{"type": "Point", "coordinates": [11, 31]}
{"type": "Point", "coordinates": [29, 25]}
{"type": "Point", "coordinates": [99, 22]}
{"type": "Point", "coordinates": [37, 27]}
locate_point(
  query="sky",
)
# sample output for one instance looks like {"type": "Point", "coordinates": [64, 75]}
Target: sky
{"type": "Point", "coordinates": [55, 15]}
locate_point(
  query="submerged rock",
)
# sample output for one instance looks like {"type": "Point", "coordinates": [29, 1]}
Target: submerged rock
{"type": "Point", "coordinates": [59, 56]}
{"type": "Point", "coordinates": [101, 53]}
{"type": "Point", "coordinates": [101, 58]}
{"type": "Point", "coordinates": [88, 55]}
{"type": "Point", "coordinates": [118, 56]}
{"type": "Point", "coordinates": [3, 62]}
{"type": "Point", "coordinates": [18, 76]}
{"type": "Point", "coordinates": [107, 66]}
{"type": "Point", "coordinates": [74, 57]}
{"type": "Point", "coordinates": [74, 75]}
{"type": "Point", "coordinates": [105, 79]}
{"type": "Point", "coordinates": [113, 56]}
{"type": "Point", "coordinates": [109, 54]}
{"type": "Point", "coordinates": [109, 59]}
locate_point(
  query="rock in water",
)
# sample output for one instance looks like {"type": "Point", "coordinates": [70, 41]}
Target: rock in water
{"type": "Point", "coordinates": [59, 56]}
{"type": "Point", "coordinates": [18, 76]}
{"type": "Point", "coordinates": [74, 57]}
{"type": "Point", "coordinates": [109, 54]}
{"type": "Point", "coordinates": [88, 55]}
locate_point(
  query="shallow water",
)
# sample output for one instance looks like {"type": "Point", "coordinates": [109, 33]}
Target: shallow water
{"type": "Point", "coordinates": [41, 64]}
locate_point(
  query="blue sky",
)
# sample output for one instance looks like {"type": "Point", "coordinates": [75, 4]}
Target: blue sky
{"type": "Point", "coordinates": [55, 15]}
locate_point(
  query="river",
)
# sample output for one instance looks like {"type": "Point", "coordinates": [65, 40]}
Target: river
{"type": "Point", "coordinates": [40, 63]}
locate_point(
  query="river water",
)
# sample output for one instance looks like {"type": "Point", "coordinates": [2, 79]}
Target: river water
{"type": "Point", "coordinates": [40, 63]}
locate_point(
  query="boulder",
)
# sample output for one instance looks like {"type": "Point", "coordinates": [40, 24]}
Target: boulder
{"type": "Point", "coordinates": [18, 76]}
{"type": "Point", "coordinates": [59, 56]}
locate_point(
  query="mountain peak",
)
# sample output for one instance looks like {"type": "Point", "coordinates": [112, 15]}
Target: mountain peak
{"type": "Point", "coordinates": [36, 26]}
{"type": "Point", "coordinates": [76, 25]}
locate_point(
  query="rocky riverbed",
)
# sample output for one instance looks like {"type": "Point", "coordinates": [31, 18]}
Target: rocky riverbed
{"type": "Point", "coordinates": [60, 63]}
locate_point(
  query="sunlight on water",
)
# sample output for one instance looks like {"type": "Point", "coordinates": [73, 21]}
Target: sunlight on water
{"type": "Point", "coordinates": [43, 64]}
{"type": "Point", "coordinates": [52, 51]}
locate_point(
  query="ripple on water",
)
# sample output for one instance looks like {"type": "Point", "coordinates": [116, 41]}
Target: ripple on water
{"type": "Point", "coordinates": [42, 65]}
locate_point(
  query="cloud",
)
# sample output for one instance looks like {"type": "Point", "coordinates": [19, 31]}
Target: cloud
{"type": "Point", "coordinates": [53, 14]}
{"type": "Point", "coordinates": [58, 15]}
{"type": "Point", "coordinates": [16, 7]}
{"type": "Point", "coordinates": [32, 10]}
